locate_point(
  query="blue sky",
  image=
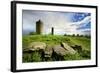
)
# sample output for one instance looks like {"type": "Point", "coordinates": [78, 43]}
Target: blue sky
{"type": "Point", "coordinates": [63, 22]}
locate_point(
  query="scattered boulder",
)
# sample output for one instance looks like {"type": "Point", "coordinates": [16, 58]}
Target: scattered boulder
{"type": "Point", "coordinates": [48, 51]}
{"type": "Point", "coordinates": [67, 48]}
{"type": "Point", "coordinates": [37, 46]}
{"type": "Point", "coordinates": [59, 50]}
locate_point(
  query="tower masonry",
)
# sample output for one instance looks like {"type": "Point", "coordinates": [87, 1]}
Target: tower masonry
{"type": "Point", "coordinates": [39, 27]}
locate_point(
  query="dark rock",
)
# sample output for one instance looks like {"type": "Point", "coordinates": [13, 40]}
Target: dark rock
{"type": "Point", "coordinates": [48, 51]}
{"type": "Point", "coordinates": [77, 48]}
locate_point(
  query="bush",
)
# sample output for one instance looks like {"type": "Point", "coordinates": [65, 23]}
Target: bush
{"type": "Point", "coordinates": [77, 35]}
{"type": "Point", "coordinates": [32, 57]}
{"type": "Point", "coordinates": [86, 54]}
{"type": "Point", "coordinates": [36, 57]}
{"type": "Point", "coordinates": [27, 57]}
{"type": "Point", "coordinates": [32, 33]}
{"type": "Point", "coordinates": [73, 35]}
{"type": "Point", "coordinates": [65, 34]}
{"type": "Point", "coordinates": [72, 57]}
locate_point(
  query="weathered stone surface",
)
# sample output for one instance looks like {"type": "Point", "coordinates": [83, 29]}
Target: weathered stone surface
{"type": "Point", "coordinates": [59, 50]}
{"type": "Point", "coordinates": [69, 49]}
{"type": "Point", "coordinates": [37, 46]}
{"type": "Point", "coordinates": [48, 51]}
{"type": "Point", "coordinates": [27, 51]}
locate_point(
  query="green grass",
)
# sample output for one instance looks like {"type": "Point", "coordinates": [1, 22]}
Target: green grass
{"type": "Point", "coordinates": [48, 39]}
{"type": "Point", "coordinates": [57, 39]}
{"type": "Point", "coordinates": [82, 41]}
{"type": "Point", "coordinates": [73, 57]}
{"type": "Point", "coordinates": [33, 57]}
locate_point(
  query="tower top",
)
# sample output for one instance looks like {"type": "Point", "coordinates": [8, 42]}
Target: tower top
{"type": "Point", "coordinates": [39, 21]}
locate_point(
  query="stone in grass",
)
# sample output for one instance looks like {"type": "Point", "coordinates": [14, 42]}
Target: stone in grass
{"type": "Point", "coordinates": [35, 46]}
{"type": "Point", "coordinates": [69, 49]}
{"type": "Point", "coordinates": [59, 50]}
{"type": "Point", "coordinates": [48, 51]}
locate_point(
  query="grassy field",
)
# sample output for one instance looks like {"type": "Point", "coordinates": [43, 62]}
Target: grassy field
{"type": "Point", "coordinates": [57, 39]}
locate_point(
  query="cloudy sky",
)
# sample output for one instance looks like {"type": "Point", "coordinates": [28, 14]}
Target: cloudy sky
{"type": "Point", "coordinates": [63, 22]}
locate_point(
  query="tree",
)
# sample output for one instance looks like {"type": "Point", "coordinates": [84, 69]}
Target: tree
{"type": "Point", "coordinates": [81, 35]}
{"type": "Point", "coordinates": [73, 35]}
{"type": "Point", "coordinates": [78, 35]}
{"type": "Point", "coordinates": [65, 34]}
{"type": "Point", "coordinates": [32, 33]}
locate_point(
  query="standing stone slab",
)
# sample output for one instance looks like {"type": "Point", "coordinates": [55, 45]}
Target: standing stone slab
{"type": "Point", "coordinates": [69, 49]}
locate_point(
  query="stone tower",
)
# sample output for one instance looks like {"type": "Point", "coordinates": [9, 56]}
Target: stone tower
{"type": "Point", "coordinates": [39, 27]}
{"type": "Point", "coordinates": [52, 30]}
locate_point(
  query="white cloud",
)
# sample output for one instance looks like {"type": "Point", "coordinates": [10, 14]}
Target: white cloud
{"type": "Point", "coordinates": [59, 21]}
{"type": "Point", "coordinates": [84, 21]}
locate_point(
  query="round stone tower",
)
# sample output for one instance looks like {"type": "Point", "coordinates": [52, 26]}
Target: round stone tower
{"type": "Point", "coordinates": [39, 27]}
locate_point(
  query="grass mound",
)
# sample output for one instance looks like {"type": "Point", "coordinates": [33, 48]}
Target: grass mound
{"type": "Point", "coordinates": [56, 40]}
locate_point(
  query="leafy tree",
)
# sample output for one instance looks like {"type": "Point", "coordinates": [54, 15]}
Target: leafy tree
{"type": "Point", "coordinates": [81, 35]}
{"type": "Point", "coordinates": [73, 35]}
{"type": "Point", "coordinates": [78, 35]}
{"type": "Point", "coordinates": [65, 34]}
{"type": "Point", "coordinates": [32, 33]}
